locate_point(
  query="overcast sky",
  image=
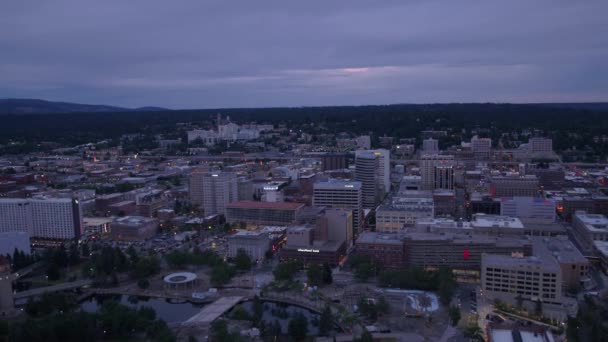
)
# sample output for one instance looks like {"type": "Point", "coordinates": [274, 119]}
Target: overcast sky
{"type": "Point", "coordinates": [209, 54]}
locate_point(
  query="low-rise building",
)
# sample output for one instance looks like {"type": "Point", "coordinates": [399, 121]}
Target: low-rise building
{"type": "Point", "coordinates": [387, 250]}
{"type": "Point", "coordinates": [254, 243]}
{"type": "Point", "coordinates": [301, 245]}
{"type": "Point", "coordinates": [526, 281]}
{"type": "Point", "coordinates": [402, 211]}
{"type": "Point", "coordinates": [263, 213]}
{"type": "Point", "coordinates": [529, 209]}
{"type": "Point", "coordinates": [590, 227]}
{"type": "Point", "coordinates": [133, 228]}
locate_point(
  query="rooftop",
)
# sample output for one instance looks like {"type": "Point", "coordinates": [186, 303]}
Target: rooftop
{"type": "Point", "coordinates": [265, 205]}
{"type": "Point", "coordinates": [134, 220]}
{"type": "Point", "coordinates": [483, 221]}
{"type": "Point", "coordinates": [548, 264]}
{"type": "Point", "coordinates": [593, 222]}
{"type": "Point", "coordinates": [380, 238]}
{"type": "Point", "coordinates": [337, 183]}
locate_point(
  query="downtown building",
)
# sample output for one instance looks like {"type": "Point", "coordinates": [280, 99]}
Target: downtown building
{"type": "Point", "coordinates": [515, 186]}
{"type": "Point", "coordinates": [403, 211]}
{"type": "Point", "coordinates": [340, 194]}
{"type": "Point", "coordinates": [437, 172]}
{"type": "Point", "coordinates": [44, 218]}
{"type": "Point", "coordinates": [213, 191]}
{"type": "Point", "coordinates": [254, 243]}
{"type": "Point", "coordinates": [255, 213]}
{"type": "Point", "coordinates": [384, 168]}
{"type": "Point", "coordinates": [366, 172]}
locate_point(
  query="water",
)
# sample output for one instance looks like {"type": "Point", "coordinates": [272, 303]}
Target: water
{"type": "Point", "coordinates": [165, 310]}
{"type": "Point", "coordinates": [283, 313]}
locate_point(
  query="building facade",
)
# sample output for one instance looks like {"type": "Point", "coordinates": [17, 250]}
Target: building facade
{"type": "Point", "coordinates": [263, 213]}
{"type": "Point", "coordinates": [46, 218]}
{"type": "Point", "coordinates": [339, 194]}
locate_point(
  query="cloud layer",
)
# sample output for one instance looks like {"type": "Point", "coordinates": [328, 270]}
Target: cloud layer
{"type": "Point", "coordinates": [205, 54]}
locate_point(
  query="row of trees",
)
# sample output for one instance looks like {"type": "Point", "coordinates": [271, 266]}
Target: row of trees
{"type": "Point", "coordinates": [108, 261]}
{"type": "Point", "coordinates": [54, 318]}
{"type": "Point", "coordinates": [319, 274]}
{"type": "Point", "coordinates": [20, 260]}
{"type": "Point", "coordinates": [371, 309]}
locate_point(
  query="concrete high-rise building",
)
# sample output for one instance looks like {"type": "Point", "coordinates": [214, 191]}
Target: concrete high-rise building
{"type": "Point", "coordinates": [430, 146]}
{"type": "Point", "coordinates": [213, 191]}
{"type": "Point", "coordinates": [366, 172]}
{"type": "Point", "coordinates": [384, 167]}
{"type": "Point", "coordinates": [195, 185]}
{"type": "Point", "coordinates": [340, 194]}
{"type": "Point", "coordinates": [47, 218]}
{"type": "Point", "coordinates": [437, 172]}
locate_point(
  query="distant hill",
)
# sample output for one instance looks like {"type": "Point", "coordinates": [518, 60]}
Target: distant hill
{"type": "Point", "coordinates": [35, 106]}
{"type": "Point", "coordinates": [591, 106]}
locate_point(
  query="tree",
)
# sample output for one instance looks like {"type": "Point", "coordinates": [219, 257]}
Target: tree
{"type": "Point", "coordinates": [219, 332]}
{"type": "Point", "coordinates": [242, 260]}
{"type": "Point", "coordinates": [258, 310]}
{"type": "Point", "coordinates": [327, 275]}
{"type": "Point", "coordinates": [221, 274]}
{"type": "Point", "coordinates": [53, 272]}
{"type": "Point", "coordinates": [519, 300]}
{"type": "Point", "coordinates": [447, 285]}
{"type": "Point", "coordinates": [454, 315]}
{"type": "Point", "coordinates": [538, 308]}
{"type": "Point", "coordinates": [383, 306]}
{"type": "Point", "coordinates": [364, 271]}
{"type": "Point", "coordinates": [74, 254]}
{"type": "Point", "coordinates": [146, 267]}
{"type": "Point", "coordinates": [366, 336]}
{"type": "Point", "coordinates": [326, 321]}
{"type": "Point", "coordinates": [143, 283]}
{"type": "Point", "coordinates": [314, 275]}
{"type": "Point", "coordinates": [474, 333]}
{"type": "Point", "coordinates": [298, 327]}
{"type": "Point", "coordinates": [132, 253]}
{"type": "Point", "coordinates": [84, 250]}
{"type": "Point", "coordinates": [286, 270]}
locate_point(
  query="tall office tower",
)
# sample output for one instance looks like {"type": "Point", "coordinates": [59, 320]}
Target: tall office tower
{"type": "Point", "coordinates": [47, 218]}
{"type": "Point", "coordinates": [366, 172]}
{"type": "Point", "coordinates": [195, 185]}
{"type": "Point", "coordinates": [340, 194]}
{"type": "Point", "coordinates": [219, 189]}
{"type": "Point", "coordinates": [437, 171]}
{"type": "Point", "coordinates": [430, 146]}
{"type": "Point", "coordinates": [384, 167]}
{"type": "Point", "coordinates": [213, 190]}
{"type": "Point", "coordinates": [444, 177]}
{"type": "Point", "coordinates": [481, 147]}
